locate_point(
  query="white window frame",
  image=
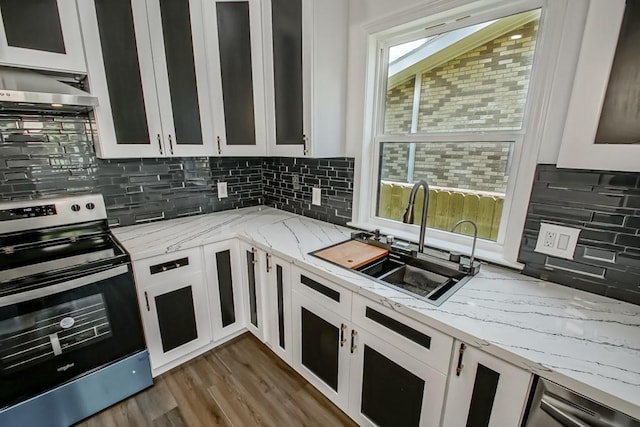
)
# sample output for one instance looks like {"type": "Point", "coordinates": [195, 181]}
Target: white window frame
{"type": "Point", "coordinates": [539, 115]}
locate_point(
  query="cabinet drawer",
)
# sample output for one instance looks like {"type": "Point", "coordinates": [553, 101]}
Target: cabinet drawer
{"type": "Point", "coordinates": [174, 265]}
{"type": "Point", "coordinates": [422, 342]}
{"type": "Point", "coordinates": [330, 295]}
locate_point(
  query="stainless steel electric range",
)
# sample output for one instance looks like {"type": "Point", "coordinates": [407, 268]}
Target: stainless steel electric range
{"type": "Point", "coordinates": [71, 339]}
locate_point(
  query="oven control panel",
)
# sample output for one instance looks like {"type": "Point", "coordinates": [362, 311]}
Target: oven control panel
{"type": "Point", "coordinates": [32, 214]}
{"type": "Point", "coordinates": [27, 212]}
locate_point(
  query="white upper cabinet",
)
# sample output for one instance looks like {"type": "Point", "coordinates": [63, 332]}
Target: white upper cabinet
{"type": "Point", "coordinates": [146, 63]}
{"type": "Point", "coordinates": [305, 49]}
{"type": "Point", "coordinates": [42, 34]}
{"type": "Point", "coordinates": [233, 39]}
{"type": "Point", "coordinates": [602, 130]}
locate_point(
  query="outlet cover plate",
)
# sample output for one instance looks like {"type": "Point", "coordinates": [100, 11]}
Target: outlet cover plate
{"type": "Point", "coordinates": [222, 190]}
{"type": "Point", "coordinates": [315, 196]}
{"type": "Point", "coordinates": [557, 240]}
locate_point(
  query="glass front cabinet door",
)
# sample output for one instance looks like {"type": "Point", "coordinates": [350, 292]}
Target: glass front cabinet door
{"type": "Point", "coordinates": [41, 34]}
{"type": "Point", "coordinates": [146, 63]}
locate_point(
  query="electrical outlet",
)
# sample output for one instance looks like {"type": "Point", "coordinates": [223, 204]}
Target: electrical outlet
{"type": "Point", "coordinates": [222, 190]}
{"type": "Point", "coordinates": [316, 194]}
{"type": "Point", "coordinates": [557, 240]}
{"type": "Point", "coordinates": [549, 239]}
{"type": "Point", "coordinates": [296, 182]}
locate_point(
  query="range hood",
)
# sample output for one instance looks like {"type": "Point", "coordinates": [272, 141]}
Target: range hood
{"type": "Point", "coordinates": [30, 90]}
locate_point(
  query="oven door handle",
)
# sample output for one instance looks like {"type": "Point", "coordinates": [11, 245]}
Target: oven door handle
{"type": "Point", "coordinates": [64, 286]}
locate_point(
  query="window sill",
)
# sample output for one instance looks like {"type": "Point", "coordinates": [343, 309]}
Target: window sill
{"type": "Point", "coordinates": [490, 254]}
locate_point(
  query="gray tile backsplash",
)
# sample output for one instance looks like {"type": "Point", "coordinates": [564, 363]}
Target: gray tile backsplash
{"type": "Point", "coordinates": [605, 206]}
{"type": "Point", "coordinates": [45, 156]}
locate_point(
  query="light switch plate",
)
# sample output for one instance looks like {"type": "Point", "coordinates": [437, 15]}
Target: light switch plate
{"type": "Point", "coordinates": [316, 193]}
{"type": "Point", "coordinates": [222, 190]}
{"type": "Point", "coordinates": [557, 240]}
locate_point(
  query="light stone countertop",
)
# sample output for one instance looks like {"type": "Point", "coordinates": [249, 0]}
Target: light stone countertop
{"type": "Point", "coordinates": [586, 342]}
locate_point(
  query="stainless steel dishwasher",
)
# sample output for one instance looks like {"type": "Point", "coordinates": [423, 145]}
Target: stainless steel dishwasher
{"type": "Point", "coordinates": [553, 405]}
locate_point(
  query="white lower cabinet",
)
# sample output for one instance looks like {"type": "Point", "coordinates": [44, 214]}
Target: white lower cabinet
{"type": "Point", "coordinates": [484, 390]}
{"type": "Point", "coordinates": [321, 348]}
{"type": "Point", "coordinates": [251, 264]}
{"type": "Point", "coordinates": [225, 288]}
{"type": "Point", "coordinates": [371, 372]}
{"type": "Point", "coordinates": [277, 306]}
{"type": "Point", "coordinates": [173, 303]}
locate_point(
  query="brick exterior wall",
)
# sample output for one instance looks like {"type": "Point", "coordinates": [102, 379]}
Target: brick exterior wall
{"type": "Point", "coordinates": [481, 90]}
{"type": "Point", "coordinates": [399, 107]}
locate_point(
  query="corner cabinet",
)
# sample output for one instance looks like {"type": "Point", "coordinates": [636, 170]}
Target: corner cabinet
{"type": "Point", "coordinates": [251, 261]}
{"type": "Point", "coordinates": [233, 40]}
{"type": "Point", "coordinates": [42, 34]}
{"type": "Point", "coordinates": [305, 49]}
{"type": "Point", "coordinates": [484, 391]}
{"type": "Point", "coordinates": [602, 129]}
{"type": "Point", "coordinates": [173, 303]}
{"type": "Point", "coordinates": [146, 63]}
{"type": "Point", "coordinates": [277, 295]}
{"type": "Point", "coordinates": [224, 286]}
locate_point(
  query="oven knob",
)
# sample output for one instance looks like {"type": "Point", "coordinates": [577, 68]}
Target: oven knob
{"type": "Point", "coordinates": [75, 208]}
{"type": "Point", "coordinates": [90, 206]}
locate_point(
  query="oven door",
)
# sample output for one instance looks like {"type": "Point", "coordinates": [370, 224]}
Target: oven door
{"type": "Point", "coordinates": [54, 334]}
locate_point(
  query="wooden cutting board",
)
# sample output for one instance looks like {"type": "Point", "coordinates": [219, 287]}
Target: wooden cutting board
{"type": "Point", "coordinates": [352, 254]}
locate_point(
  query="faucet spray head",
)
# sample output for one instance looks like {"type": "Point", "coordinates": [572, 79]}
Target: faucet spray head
{"type": "Point", "coordinates": [407, 218]}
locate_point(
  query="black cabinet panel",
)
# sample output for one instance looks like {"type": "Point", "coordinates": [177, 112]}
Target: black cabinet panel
{"type": "Point", "coordinates": [398, 327]}
{"type": "Point", "coordinates": [287, 70]}
{"type": "Point", "coordinates": [320, 348]}
{"type": "Point", "coordinates": [33, 24]}
{"type": "Point", "coordinates": [619, 122]}
{"type": "Point", "coordinates": [225, 287]}
{"type": "Point", "coordinates": [178, 47]}
{"type": "Point", "coordinates": [319, 287]}
{"type": "Point", "coordinates": [391, 395]}
{"type": "Point", "coordinates": [122, 69]}
{"type": "Point", "coordinates": [280, 295]}
{"type": "Point", "coordinates": [235, 66]}
{"type": "Point", "coordinates": [176, 318]}
{"type": "Point", "coordinates": [251, 274]}
{"type": "Point", "coordinates": [484, 393]}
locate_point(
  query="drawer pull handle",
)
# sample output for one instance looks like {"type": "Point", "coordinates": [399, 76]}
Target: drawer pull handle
{"type": "Point", "coordinates": [353, 340]}
{"type": "Point", "coordinates": [460, 365]}
{"type": "Point", "coordinates": [146, 298]}
{"type": "Point", "coordinates": [343, 340]}
{"type": "Point", "coordinates": [171, 144]}
{"type": "Point", "coordinates": [160, 144]}
{"type": "Point", "coordinates": [219, 150]}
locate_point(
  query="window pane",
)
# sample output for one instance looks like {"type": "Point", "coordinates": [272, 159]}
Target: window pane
{"type": "Point", "coordinates": [467, 180]}
{"type": "Point", "coordinates": [471, 79]}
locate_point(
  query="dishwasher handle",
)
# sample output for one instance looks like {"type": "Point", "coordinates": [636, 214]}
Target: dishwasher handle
{"type": "Point", "coordinates": [569, 415]}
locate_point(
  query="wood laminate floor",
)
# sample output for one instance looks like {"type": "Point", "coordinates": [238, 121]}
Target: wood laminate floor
{"type": "Point", "coordinates": [241, 383]}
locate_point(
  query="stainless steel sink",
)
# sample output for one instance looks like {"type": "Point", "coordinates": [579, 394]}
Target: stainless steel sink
{"type": "Point", "coordinates": [431, 280]}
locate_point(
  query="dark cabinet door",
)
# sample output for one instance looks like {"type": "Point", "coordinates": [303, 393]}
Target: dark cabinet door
{"type": "Point", "coordinates": [391, 395]}
{"type": "Point", "coordinates": [234, 44]}
{"type": "Point", "coordinates": [181, 72]}
{"type": "Point", "coordinates": [320, 342]}
{"type": "Point", "coordinates": [176, 318]}
{"type": "Point", "coordinates": [33, 24]}
{"type": "Point", "coordinates": [225, 288]}
{"type": "Point", "coordinates": [286, 21]}
{"type": "Point", "coordinates": [251, 286]}
{"type": "Point", "coordinates": [122, 71]}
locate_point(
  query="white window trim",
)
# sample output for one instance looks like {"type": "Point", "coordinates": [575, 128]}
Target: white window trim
{"type": "Point", "coordinates": [540, 112]}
